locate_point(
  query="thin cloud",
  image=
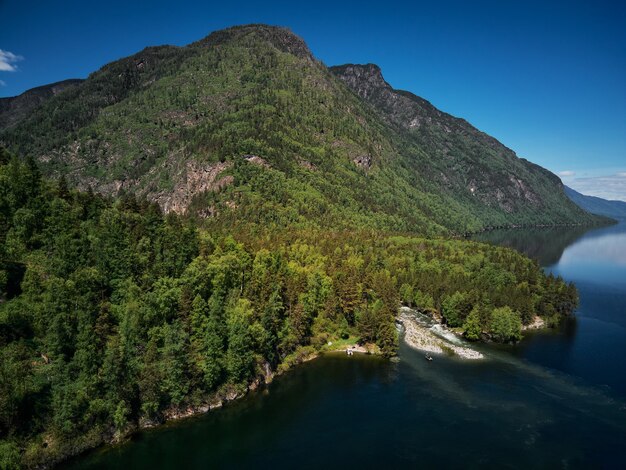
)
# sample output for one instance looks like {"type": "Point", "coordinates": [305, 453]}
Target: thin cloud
{"type": "Point", "coordinates": [8, 60]}
{"type": "Point", "coordinates": [612, 187]}
{"type": "Point", "coordinates": [3, 83]}
{"type": "Point", "coordinates": [567, 173]}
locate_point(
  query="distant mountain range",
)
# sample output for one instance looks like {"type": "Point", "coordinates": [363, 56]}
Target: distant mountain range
{"type": "Point", "coordinates": [597, 205]}
{"type": "Point", "coordinates": [246, 125]}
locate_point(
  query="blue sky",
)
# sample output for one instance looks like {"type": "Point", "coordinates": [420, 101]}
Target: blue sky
{"type": "Point", "coordinates": [548, 79]}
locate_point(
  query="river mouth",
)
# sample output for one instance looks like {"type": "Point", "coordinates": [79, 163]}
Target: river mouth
{"type": "Point", "coordinates": [421, 332]}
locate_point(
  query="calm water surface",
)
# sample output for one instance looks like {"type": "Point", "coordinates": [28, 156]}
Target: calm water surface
{"type": "Point", "coordinates": [557, 400]}
{"type": "Point", "coordinates": [591, 345]}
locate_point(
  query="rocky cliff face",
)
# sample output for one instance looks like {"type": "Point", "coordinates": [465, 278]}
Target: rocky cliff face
{"type": "Point", "coordinates": [400, 107]}
{"type": "Point", "coordinates": [470, 160]}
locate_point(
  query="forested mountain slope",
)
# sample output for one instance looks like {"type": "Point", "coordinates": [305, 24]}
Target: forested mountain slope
{"type": "Point", "coordinates": [14, 109]}
{"type": "Point", "coordinates": [246, 125]}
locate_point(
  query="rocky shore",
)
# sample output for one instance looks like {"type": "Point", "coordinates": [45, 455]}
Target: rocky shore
{"type": "Point", "coordinates": [537, 324]}
{"type": "Point", "coordinates": [423, 337]}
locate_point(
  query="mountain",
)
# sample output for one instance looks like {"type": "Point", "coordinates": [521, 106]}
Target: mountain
{"type": "Point", "coordinates": [246, 125]}
{"type": "Point", "coordinates": [597, 205]}
{"type": "Point", "coordinates": [115, 316]}
{"type": "Point", "coordinates": [14, 109]}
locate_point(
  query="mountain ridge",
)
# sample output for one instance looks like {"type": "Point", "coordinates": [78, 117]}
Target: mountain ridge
{"type": "Point", "coordinates": [283, 38]}
{"type": "Point", "coordinates": [597, 205]}
{"type": "Point", "coordinates": [414, 113]}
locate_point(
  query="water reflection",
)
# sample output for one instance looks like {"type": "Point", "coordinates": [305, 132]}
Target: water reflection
{"type": "Point", "coordinates": [553, 245]}
{"type": "Point", "coordinates": [546, 245]}
{"type": "Point", "coordinates": [600, 259]}
{"type": "Point", "coordinates": [593, 344]}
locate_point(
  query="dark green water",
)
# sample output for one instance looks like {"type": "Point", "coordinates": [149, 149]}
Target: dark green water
{"type": "Point", "coordinates": [557, 400]}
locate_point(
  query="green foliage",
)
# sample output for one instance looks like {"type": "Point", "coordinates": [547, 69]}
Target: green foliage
{"type": "Point", "coordinates": [368, 321]}
{"type": "Point", "coordinates": [406, 294]}
{"type": "Point", "coordinates": [120, 417]}
{"type": "Point", "coordinates": [9, 456]}
{"type": "Point", "coordinates": [118, 314]}
{"type": "Point", "coordinates": [505, 325]}
{"type": "Point", "coordinates": [423, 301]}
{"type": "Point", "coordinates": [240, 355]}
{"type": "Point", "coordinates": [455, 308]}
{"type": "Point", "coordinates": [208, 341]}
{"type": "Point", "coordinates": [472, 327]}
{"type": "Point", "coordinates": [387, 338]}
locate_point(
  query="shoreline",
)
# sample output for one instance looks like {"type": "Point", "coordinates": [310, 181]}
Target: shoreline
{"type": "Point", "coordinates": [538, 323]}
{"type": "Point", "coordinates": [468, 235]}
{"type": "Point", "coordinates": [109, 439]}
{"type": "Point", "coordinates": [422, 338]}
{"type": "Point", "coordinates": [418, 336]}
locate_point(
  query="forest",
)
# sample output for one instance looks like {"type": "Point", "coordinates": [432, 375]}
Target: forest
{"type": "Point", "coordinates": [113, 314]}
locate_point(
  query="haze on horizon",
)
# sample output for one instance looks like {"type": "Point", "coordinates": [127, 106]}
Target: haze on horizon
{"type": "Point", "coordinates": [547, 80]}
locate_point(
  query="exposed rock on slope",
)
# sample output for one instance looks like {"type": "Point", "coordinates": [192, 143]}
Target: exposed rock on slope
{"type": "Point", "coordinates": [470, 160]}
{"type": "Point", "coordinates": [198, 179]}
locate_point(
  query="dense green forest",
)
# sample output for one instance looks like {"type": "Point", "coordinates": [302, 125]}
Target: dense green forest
{"type": "Point", "coordinates": [112, 314]}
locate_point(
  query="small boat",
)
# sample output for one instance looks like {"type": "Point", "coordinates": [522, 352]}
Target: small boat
{"type": "Point", "coordinates": [428, 357]}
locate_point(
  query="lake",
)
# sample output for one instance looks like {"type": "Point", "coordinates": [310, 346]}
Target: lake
{"type": "Point", "coordinates": [556, 400]}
